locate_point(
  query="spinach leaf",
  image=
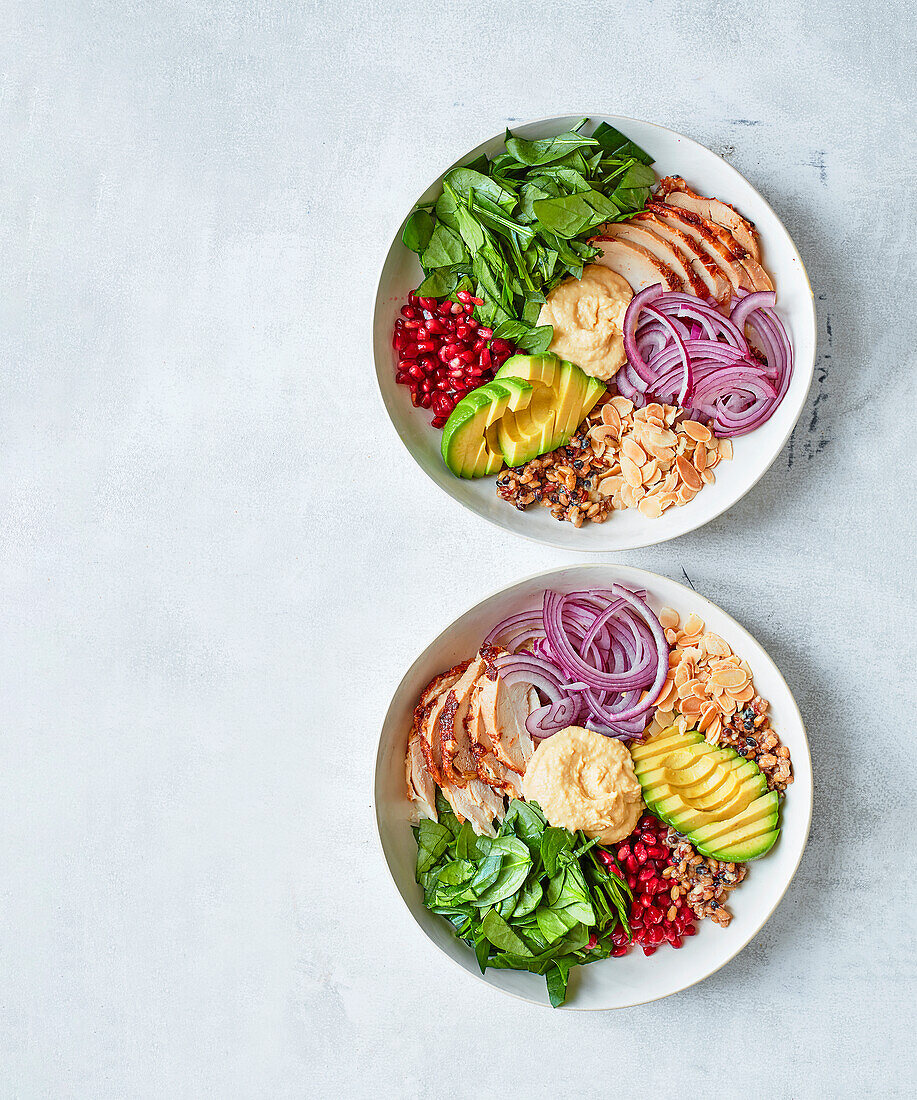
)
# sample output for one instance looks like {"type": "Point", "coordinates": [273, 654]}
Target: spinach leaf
{"type": "Point", "coordinates": [554, 923]}
{"type": "Point", "coordinates": [418, 230]}
{"type": "Point", "coordinates": [487, 873]}
{"type": "Point", "coordinates": [514, 867]}
{"type": "Point", "coordinates": [528, 898]}
{"type": "Point", "coordinates": [614, 143]}
{"type": "Point", "coordinates": [440, 283]}
{"type": "Point", "coordinates": [462, 181]}
{"type": "Point", "coordinates": [501, 935]}
{"type": "Point", "coordinates": [525, 820]}
{"type": "Point", "coordinates": [556, 979]}
{"type": "Point", "coordinates": [547, 149]}
{"type": "Point", "coordinates": [432, 840]}
{"type": "Point", "coordinates": [470, 229]}
{"type": "Point", "coordinates": [444, 249]}
{"type": "Point", "coordinates": [554, 842]}
{"type": "Point", "coordinates": [456, 873]}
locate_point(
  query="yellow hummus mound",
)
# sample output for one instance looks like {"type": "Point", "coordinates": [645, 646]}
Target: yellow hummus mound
{"type": "Point", "coordinates": [588, 319]}
{"type": "Point", "coordinates": [583, 780]}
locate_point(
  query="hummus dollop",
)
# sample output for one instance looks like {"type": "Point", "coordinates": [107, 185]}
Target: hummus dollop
{"type": "Point", "coordinates": [588, 319]}
{"type": "Point", "coordinates": [583, 780]}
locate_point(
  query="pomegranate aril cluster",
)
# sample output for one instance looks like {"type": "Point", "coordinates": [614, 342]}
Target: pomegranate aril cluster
{"type": "Point", "coordinates": [444, 353]}
{"type": "Point", "coordinates": [655, 918]}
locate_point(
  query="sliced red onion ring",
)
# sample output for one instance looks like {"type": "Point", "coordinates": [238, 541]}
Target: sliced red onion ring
{"type": "Point", "coordinates": [690, 367]}
{"type": "Point", "coordinates": [599, 658]}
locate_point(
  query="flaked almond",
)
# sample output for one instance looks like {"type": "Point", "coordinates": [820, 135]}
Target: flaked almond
{"type": "Point", "coordinates": [697, 431]}
{"type": "Point", "coordinates": [708, 477]}
{"type": "Point", "coordinates": [694, 625]}
{"type": "Point", "coordinates": [650, 507]}
{"type": "Point", "coordinates": [700, 458]}
{"type": "Point", "coordinates": [632, 450]}
{"type": "Point", "coordinates": [611, 418]}
{"type": "Point", "coordinates": [725, 448]}
{"type": "Point", "coordinates": [631, 471]}
{"type": "Point", "coordinates": [689, 475]}
{"type": "Point", "coordinates": [623, 406]}
{"type": "Point", "coordinates": [668, 617]}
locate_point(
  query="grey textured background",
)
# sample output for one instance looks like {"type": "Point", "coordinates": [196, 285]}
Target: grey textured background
{"type": "Point", "coordinates": [216, 559]}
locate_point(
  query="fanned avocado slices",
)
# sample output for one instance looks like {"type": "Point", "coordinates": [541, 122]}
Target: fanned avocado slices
{"type": "Point", "coordinates": [469, 443]}
{"type": "Point", "coordinates": [708, 793]}
{"type": "Point", "coordinates": [564, 396]}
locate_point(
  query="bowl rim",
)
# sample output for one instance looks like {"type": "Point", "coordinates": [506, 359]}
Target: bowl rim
{"type": "Point", "coordinates": [630, 544]}
{"type": "Point", "coordinates": [645, 578]}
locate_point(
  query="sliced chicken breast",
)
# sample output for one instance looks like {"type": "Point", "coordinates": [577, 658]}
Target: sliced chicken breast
{"type": "Point", "coordinates": [491, 771]}
{"type": "Point", "coordinates": [459, 765]}
{"type": "Point", "coordinates": [634, 263]}
{"type": "Point", "coordinates": [665, 251]}
{"type": "Point", "coordinates": [677, 193]}
{"type": "Point", "coordinates": [692, 226]}
{"type": "Point", "coordinates": [426, 715]}
{"type": "Point", "coordinates": [477, 803]}
{"type": "Point", "coordinates": [421, 788]}
{"type": "Point", "coordinates": [504, 710]}
{"type": "Point", "coordinates": [715, 282]}
{"type": "Point", "coordinates": [431, 729]}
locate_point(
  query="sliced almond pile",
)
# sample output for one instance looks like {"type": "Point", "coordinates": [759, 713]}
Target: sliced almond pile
{"type": "Point", "coordinates": [707, 682]}
{"type": "Point", "coordinates": [654, 460]}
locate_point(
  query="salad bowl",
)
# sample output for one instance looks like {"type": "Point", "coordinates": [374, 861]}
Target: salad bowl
{"type": "Point", "coordinates": [635, 978]}
{"type": "Point", "coordinates": [675, 154]}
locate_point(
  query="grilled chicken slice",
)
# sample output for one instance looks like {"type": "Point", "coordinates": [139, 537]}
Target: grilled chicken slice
{"type": "Point", "coordinates": [504, 710]}
{"type": "Point", "coordinates": [477, 803]}
{"type": "Point", "coordinates": [677, 193]}
{"type": "Point", "coordinates": [491, 771]}
{"type": "Point", "coordinates": [692, 226]}
{"type": "Point", "coordinates": [421, 788]}
{"type": "Point", "coordinates": [634, 263]}
{"type": "Point", "coordinates": [431, 727]}
{"type": "Point", "coordinates": [420, 778]}
{"type": "Point", "coordinates": [666, 252]}
{"type": "Point", "coordinates": [459, 765]}
{"type": "Point", "coordinates": [715, 282]}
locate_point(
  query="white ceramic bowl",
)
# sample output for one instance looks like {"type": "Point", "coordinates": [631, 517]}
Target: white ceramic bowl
{"type": "Point", "coordinates": [707, 173]}
{"type": "Point", "coordinates": [635, 978]}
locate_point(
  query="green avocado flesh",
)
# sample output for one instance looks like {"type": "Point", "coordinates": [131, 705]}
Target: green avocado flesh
{"type": "Point", "coordinates": [470, 444]}
{"type": "Point", "coordinates": [708, 793]}
{"type": "Point", "coordinates": [564, 396]}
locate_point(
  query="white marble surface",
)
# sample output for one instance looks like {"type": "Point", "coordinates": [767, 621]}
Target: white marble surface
{"type": "Point", "coordinates": [216, 559]}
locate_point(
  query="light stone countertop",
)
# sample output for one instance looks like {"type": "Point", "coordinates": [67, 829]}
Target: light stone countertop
{"type": "Point", "coordinates": [217, 559]}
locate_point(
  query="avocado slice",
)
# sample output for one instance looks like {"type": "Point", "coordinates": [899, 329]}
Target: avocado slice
{"type": "Point", "coordinates": [552, 420]}
{"type": "Point", "coordinates": [708, 793]}
{"type": "Point", "coordinates": [470, 441]}
{"type": "Point", "coordinates": [530, 432]}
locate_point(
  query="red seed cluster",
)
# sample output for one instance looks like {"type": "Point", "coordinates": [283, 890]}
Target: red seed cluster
{"type": "Point", "coordinates": [444, 353]}
{"type": "Point", "coordinates": [643, 857]}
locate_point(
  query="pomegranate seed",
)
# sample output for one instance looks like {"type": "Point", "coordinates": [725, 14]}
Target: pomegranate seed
{"type": "Point", "coordinates": [428, 303]}
{"type": "Point", "coordinates": [409, 311]}
{"type": "Point", "coordinates": [486, 333]}
{"type": "Point", "coordinates": [636, 923]}
{"type": "Point", "coordinates": [676, 942]}
{"type": "Point", "coordinates": [690, 930]}
{"type": "Point", "coordinates": [653, 915]}
{"type": "Point", "coordinates": [639, 853]}
{"type": "Point", "coordinates": [484, 359]}
{"type": "Point", "coordinates": [649, 950]}
{"type": "Point", "coordinates": [656, 853]}
{"type": "Point", "coordinates": [617, 952]}
{"type": "Point", "coordinates": [632, 881]}
{"type": "Point", "coordinates": [623, 851]}
{"type": "Point", "coordinates": [425, 345]}
{"type": "Point", "coordinates": [646, 873]}
{"type": "Point", "coordinates": [655, 936]}
{"type": "Point", "coordinates": [425, 401]}
{"type": "Point", "coordinates": [632, 864]}
{"type": "Point", "coordinates": [645, 900]}
{"type": "Point", "coordinates": [409, 351]}
{"type": "Point", "coordinates": [619, 938]}
{"type": "Point", "coordinates": [467, 357]}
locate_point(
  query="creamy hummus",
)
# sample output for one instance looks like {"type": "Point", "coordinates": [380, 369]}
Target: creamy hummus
{"type": "Point", "coordinates": [583, 780]}
{"type": "Point", "coordinates": [588, 319]}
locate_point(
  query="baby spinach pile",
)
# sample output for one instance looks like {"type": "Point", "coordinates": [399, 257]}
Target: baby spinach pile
{"type": "Point", "coordinates": [532, 898]}
{"type": "Point", "coordinates": [509, 229]}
